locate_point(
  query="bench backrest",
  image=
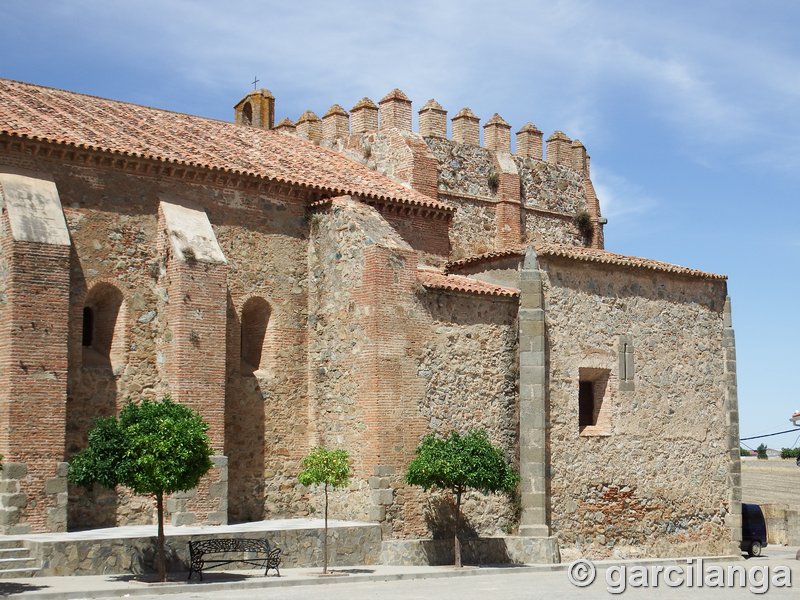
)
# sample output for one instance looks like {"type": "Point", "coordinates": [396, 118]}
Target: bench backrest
{"type": "Point", "coordinates": [228, 545]}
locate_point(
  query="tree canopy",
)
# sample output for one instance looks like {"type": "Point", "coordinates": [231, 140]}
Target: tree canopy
{"type": "Point", "coordinates": [458, 463]}
{"type": "Point", "coordinates": [153, 448]}
{"type": "Point", "coordinates": [323, 466]}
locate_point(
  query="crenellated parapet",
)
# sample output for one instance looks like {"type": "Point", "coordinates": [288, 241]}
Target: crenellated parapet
{"type": "Point", "coordinates": [364, 117]}
{"type": "Point", "coordinates": [335, 124]}
{"type": "Point", "coordinates": [433, 120]}
{"type": "Point", "coordinates": [309, 126]}
{"type": "Point", "coordinates": [394, 111]}
{"type": "Point", "coordinates": [529, 141]}
{"type": "Point", "coordinates": [550, 176]}
{"type": "Point", "coordinates": [466, 127]}
{"type": "Point", "coordinates": [497, 134]}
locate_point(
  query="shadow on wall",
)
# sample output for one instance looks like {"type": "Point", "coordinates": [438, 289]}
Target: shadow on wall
{"type": "Point", "coordinates": [97, 354]}
{"type": "Point", "coordinates": [244, 410]}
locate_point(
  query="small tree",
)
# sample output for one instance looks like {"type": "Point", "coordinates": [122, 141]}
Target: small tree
{"type": "Point", "coordinates": [154, 448]}
{"type": "Point", "coordinates": [761, 451]}
{"type": "Point", "coordinates": [329, 468]}
{"type": "Point", "coordinates": [458, 463]}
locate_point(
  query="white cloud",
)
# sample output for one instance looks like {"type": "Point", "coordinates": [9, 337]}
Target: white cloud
{"type": "Point", "coordinates": [619, 197]}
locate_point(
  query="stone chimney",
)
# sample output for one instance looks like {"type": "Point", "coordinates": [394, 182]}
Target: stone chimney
{"type": "Point", "coordinates": [257, 109]}
{"type": "Point", "coordinates": [364, 117]}
{"type": "Point", "coordinates": [497, 134]}
{"type": "Point", "coordinates": [286, 126]}
{"type": "Point", "coordinates": [433, 120]}
{"type": "Point", "coordinates": [465, 128]}
{"type": "Point", "coordinates": [558, 149]}
{"type": "Point", "coordinates": [529, 141]}
{"type": "Point", "coordinates": [335, 124]}
{"type": "Point", "coordinates": [395, 111]}
{"type": "Point", "coordinates": [309, 126]}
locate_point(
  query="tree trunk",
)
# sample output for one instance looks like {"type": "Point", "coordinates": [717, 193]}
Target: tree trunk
{"type": "Point", "coordinates": [325, 540]}
{"type": "Point", "coordinates": [456, 541]}
{"type": "Point", "coordinates": [161, 562]}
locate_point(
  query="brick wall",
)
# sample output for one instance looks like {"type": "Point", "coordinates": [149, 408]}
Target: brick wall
{"type": "Point", "coordinates": [33, 330]}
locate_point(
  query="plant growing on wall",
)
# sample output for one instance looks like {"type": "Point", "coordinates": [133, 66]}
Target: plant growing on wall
{"type": "Point", "coordinates": [583, 221]}
{"type": "Point", "coordinates": [329, 468]}
{"type": "Point", "coordinates": [493, 180]}
{"type": "Point", "coordinates": [458, 463]}
{"type": "Point", "coordinates": [153, 448]}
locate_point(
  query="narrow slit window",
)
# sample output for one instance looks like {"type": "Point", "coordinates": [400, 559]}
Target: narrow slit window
{"type": "Point", "coordinates": [594, 403]}
{"type": "Point", "coordinates": [88, 326]}
{"type": "Point", "coordinates": [586, 412]}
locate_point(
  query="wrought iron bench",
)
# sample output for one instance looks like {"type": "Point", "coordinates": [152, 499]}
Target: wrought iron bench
{"type": "Point", "coordinates": [221, 552]}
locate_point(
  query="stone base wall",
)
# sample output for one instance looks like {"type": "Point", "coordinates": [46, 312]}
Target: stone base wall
{"type": "Point", "coordinates": [514, 550]}
{"type": "Point", "coordinates": [349, 544]}
{"type": "Point", "coordinates": [783, 524]}
{"type": "Point", "coordinates": [15, 499]}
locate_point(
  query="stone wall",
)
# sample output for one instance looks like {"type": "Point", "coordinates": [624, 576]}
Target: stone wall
{"type": "Point", "coordinates": [337, 337]}
{"type": "Point", "coordinates": [112, 218]}
{"type": "Point", "coordinates": [469, 367]}
{"type": "Point", "coordinates": [543, 227]}
{"type": "Point", "coordinates": [474, 228]}
{"type": "Point", "coordinates": [651, 478]}
{"type": "Point", "coordinates": [551, 187]}
{"type": "Point", "coordinates": [350, 543]}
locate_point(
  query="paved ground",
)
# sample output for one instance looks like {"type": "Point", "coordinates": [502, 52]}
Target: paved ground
{"type": "Point", "coordinates": [441, 583]}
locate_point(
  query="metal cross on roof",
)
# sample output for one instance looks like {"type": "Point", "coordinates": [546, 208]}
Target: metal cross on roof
{"type": "Point", "coordinates": [255, 82]}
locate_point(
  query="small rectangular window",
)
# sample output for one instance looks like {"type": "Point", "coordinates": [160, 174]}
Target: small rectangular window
{"type": "Point", "coordinates": [594, 407]}
{"type": "Point", "coordinates": [586, 414]}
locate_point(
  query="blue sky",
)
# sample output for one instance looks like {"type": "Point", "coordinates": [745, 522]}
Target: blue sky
{"type": "Point", "coordinates": [690, 111]}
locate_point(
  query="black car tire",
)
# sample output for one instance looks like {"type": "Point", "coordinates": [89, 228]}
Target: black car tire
{"type": "Point", "coordinates": [754, 549]}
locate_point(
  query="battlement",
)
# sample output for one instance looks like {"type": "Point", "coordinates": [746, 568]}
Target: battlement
{"type": "Point", "coordinates": [394, 111]}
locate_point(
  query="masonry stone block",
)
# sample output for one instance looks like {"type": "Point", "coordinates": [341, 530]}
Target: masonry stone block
{"type": "Point", "coordinates": [379, 482]}
{"type": "Point", "coordinates": [384, 470]}
{"type": "Point", "coordinates": [55, 486]}
{"type": "Point", "coordinates": [384, 497]}
{"type": "Point", "coordinates": [218, 489]}
{"type": "Point", "coordinates": [217, 518]}
{"type": "Point", "coordinates": [9, 486]}
{"type": "Point", "coordinates": [14, 470]}
{"type": "Point", "coordinates": [183, 519]}
{"type": "Point", "coordinates": [14, 500]}
{"type": "Point", "coordinates": [376, 513]}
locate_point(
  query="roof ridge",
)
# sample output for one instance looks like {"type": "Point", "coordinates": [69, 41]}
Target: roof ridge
{"type": "Point", "coordinates": [107, 99]}
{"type": "Point", "coordinates": [61, 117]}
{"type": "Point", "coordinates": [597, 254]}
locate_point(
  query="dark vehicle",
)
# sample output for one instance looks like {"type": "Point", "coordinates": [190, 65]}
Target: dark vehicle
{"type": "Point", "coordinates": [754, 530]}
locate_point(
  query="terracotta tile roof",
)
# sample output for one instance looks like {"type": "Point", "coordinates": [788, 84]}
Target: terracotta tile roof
{"type": "Point", "coordinates": [61, 117]}
{"type": "Point", "coordinates": [606, 257]}
{"type": "Point", "coordinates": [454, 265]}
{"type": "Point", "coordinates": [584, 254]}
{"type": "Point", "coordinates": [456, 283]}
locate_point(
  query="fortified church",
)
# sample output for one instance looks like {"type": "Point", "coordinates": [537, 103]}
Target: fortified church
{"type": "Point", "coordinates": [350, 282]}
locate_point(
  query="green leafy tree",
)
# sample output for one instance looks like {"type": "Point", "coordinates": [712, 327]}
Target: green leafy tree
{"type": "Point", "coordinates": [153, 448]}
{"type": "Point", "coordinates": [329, 468]}
{"type": "Point", "coordinates": [458, 463]}
{"type": "Point", "coordinates": [761, 451]}
{"type": "Point", "coordinates": [790, 452]}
